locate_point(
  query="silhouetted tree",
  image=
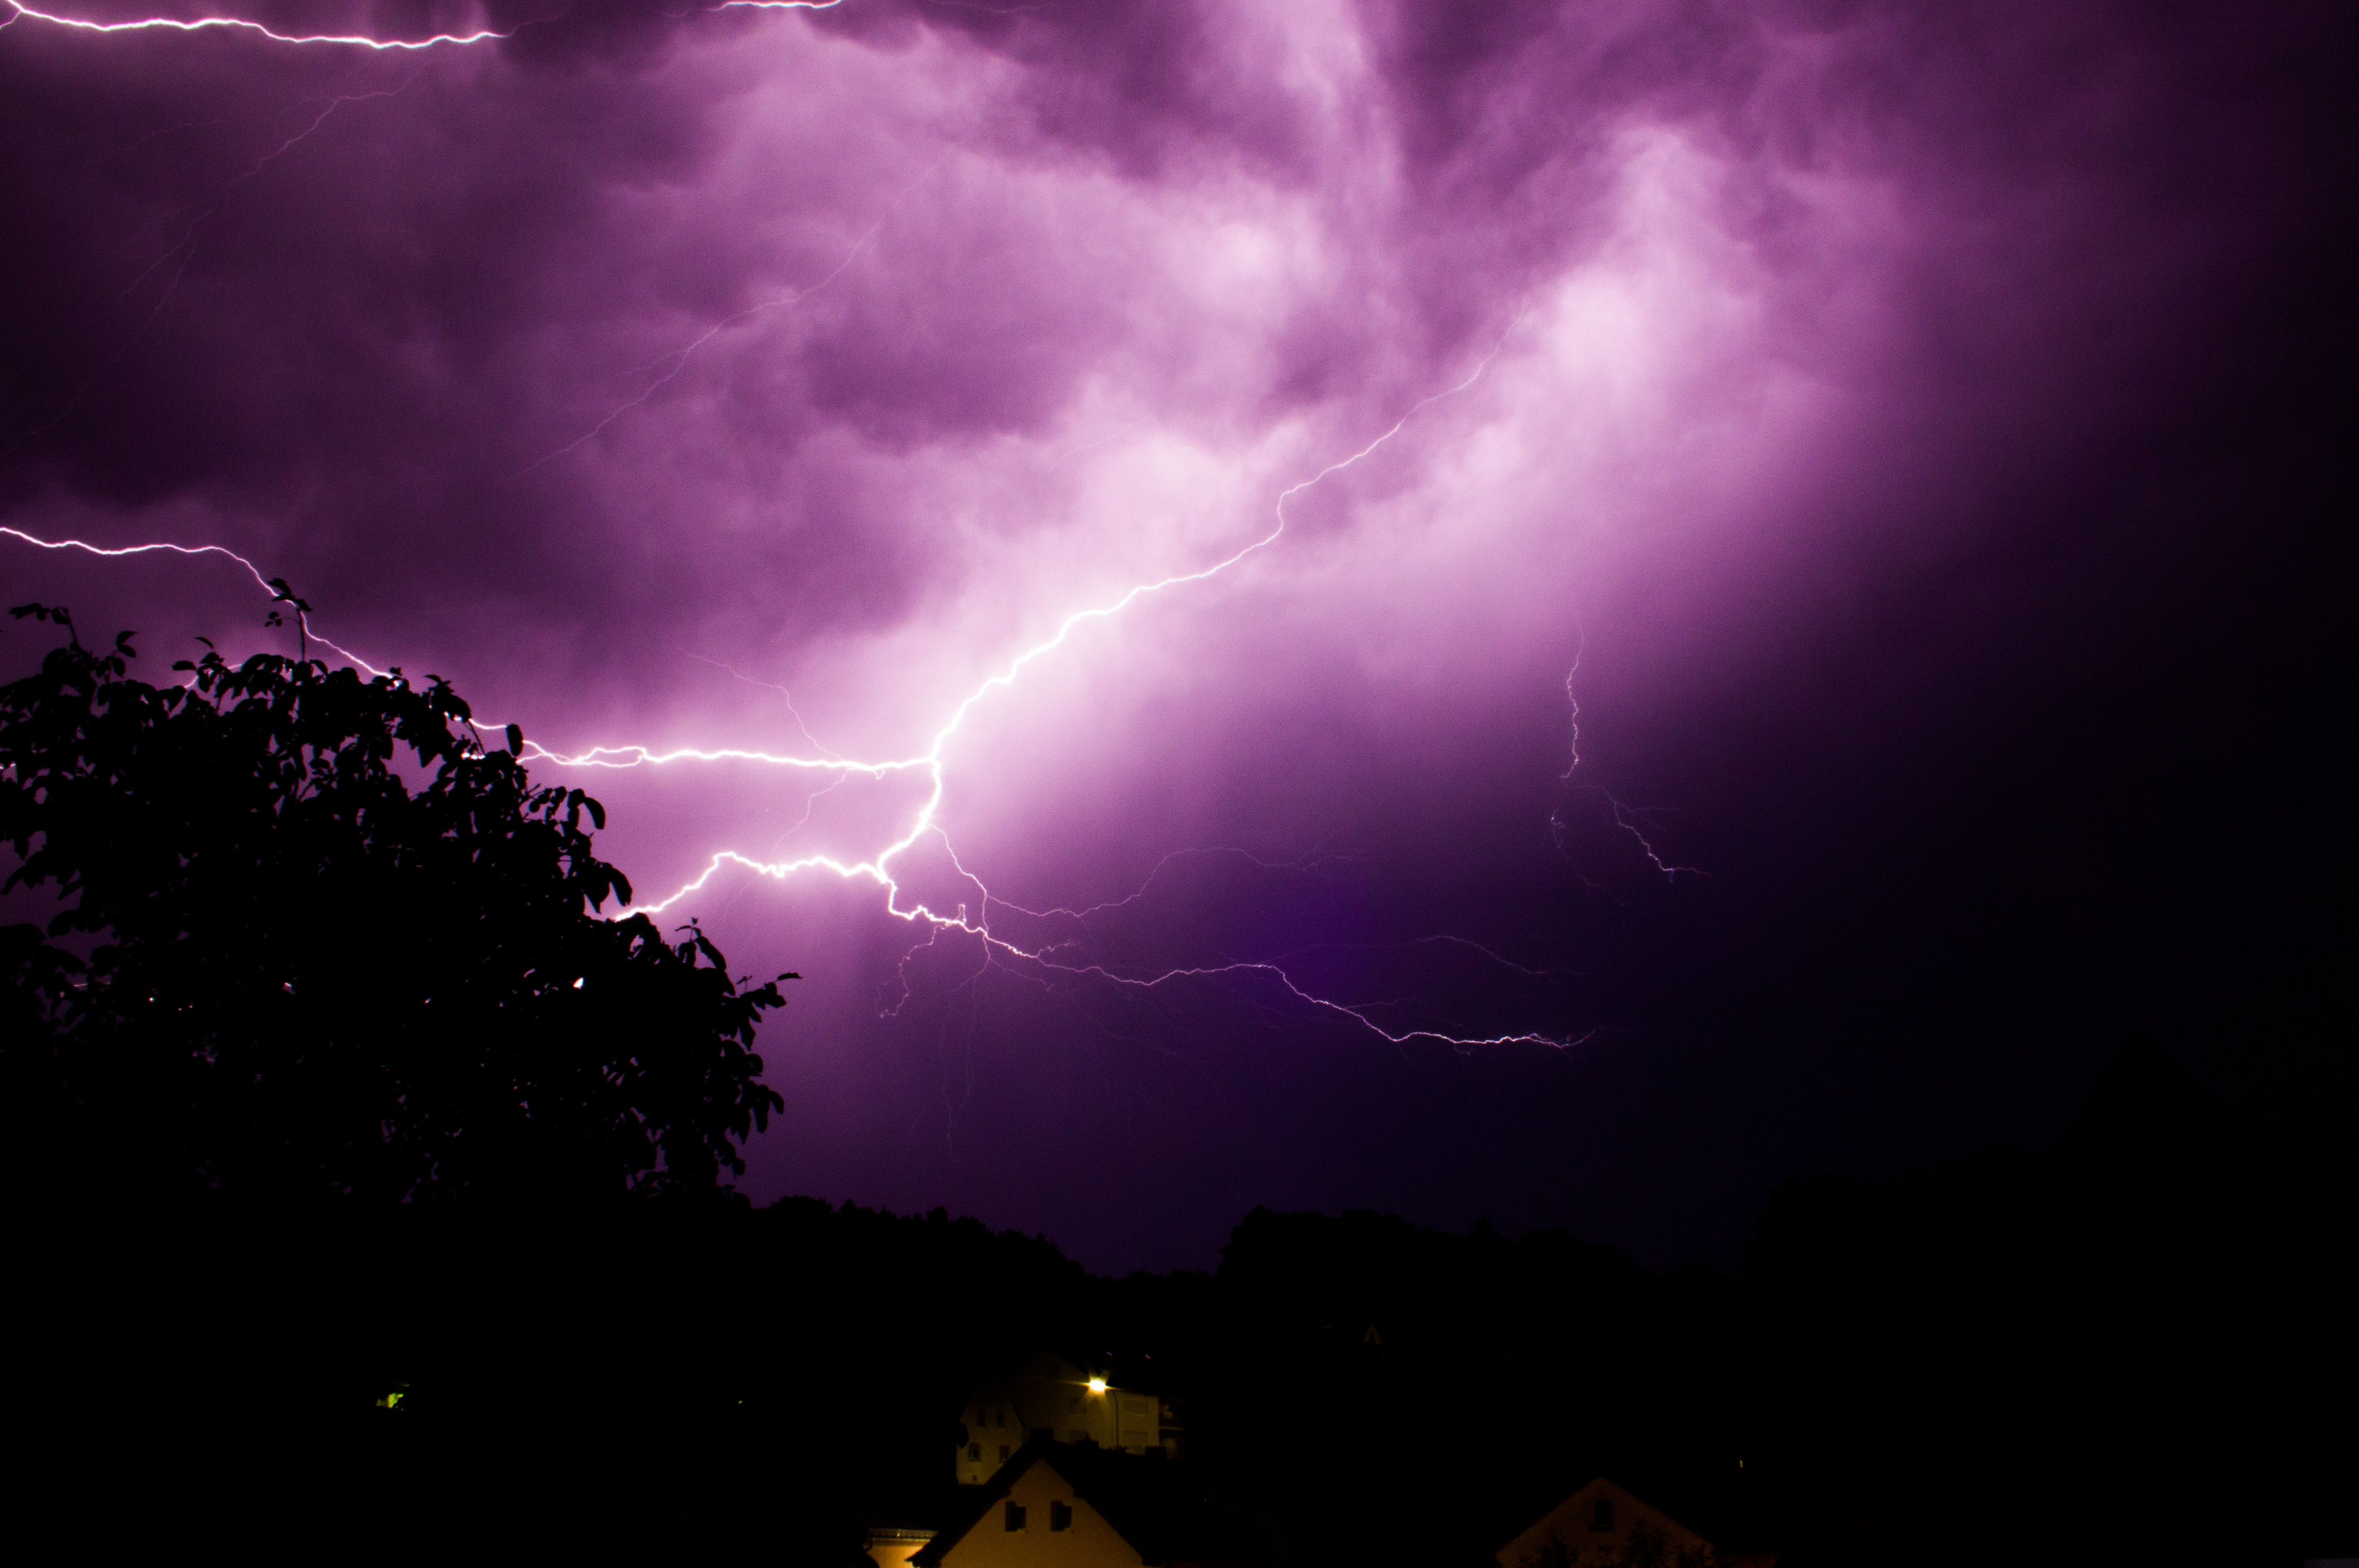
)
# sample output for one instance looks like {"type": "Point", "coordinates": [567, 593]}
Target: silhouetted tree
{"type": "Point", "coordinates": [319, 942]}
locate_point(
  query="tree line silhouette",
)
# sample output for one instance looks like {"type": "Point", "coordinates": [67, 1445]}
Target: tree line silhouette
{"type": "Point", "coordinates": [365, 1183]}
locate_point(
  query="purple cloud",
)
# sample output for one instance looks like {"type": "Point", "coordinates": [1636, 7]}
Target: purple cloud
{"type": "Point", "coordinates": [768, 381]}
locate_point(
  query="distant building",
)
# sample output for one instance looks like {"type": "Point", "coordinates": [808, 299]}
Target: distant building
{"type": "Point", "coordinates": [1062, 1400]}
{"type": "Point", "coordinates": [1602, 1526]}
{"type": "Point", "coordinates": [1079, 1506]}
{"type": "Point", "coordinates": [892, 1546]}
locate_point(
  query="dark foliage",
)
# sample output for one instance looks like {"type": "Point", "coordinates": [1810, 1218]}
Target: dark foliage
{"type": "Point", "coordinates": [2131, 1351]}
{"type": "Point", "coordinates": [2134, 1349]}
{"type": "Point", "coordinates": [1422, 1396]}
{"type": "Point", "coordinates": [285, 969]}
{"type": "Point", "coordinates": [664, 1378]}
{"type": "Point", "coordinates": [318, 943]}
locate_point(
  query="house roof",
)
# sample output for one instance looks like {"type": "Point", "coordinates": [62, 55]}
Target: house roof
{"type": "Point", "coordinates": [1148, 1502]}
{"type": "Point", "coordinates": [1724, 1507]}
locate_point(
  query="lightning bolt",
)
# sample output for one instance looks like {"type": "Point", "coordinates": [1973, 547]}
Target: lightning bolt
{"type": "Point", "coordinates": [877, 869]}
{"type": "Point", "coordinates": [678, 358]}
{"type": "Point", "coordinates": [1630, 820]}
{"type": "Point", "coordinates": [22, 13]}
{"type": "Point", "coordinates": [120, 552]}
{"type": "Point", "coordinates": [767, 686]}
{"type": "Point", "coordinates": [185, 248]}
{"type": "Point", "coordinates": [923, 825]}
{"type": "Point", "coordinates": [18, 12]}
{"type": "Point", "coordinates": [930, 760]}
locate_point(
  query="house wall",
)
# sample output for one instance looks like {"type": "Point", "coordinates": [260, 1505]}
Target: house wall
{"type": "Point", "coordinates": [1139, 1420]}
{"type": "Point", "coordinates": [1060, 1393]}
{"type": "Point", "coordinates": [1053, 1394]}
{"type": "Point", "coordinates": [890, 1548]}
{"type": "Point", "coordinates": [1090, 1543]}
{"type": "Point", "coordinates": [997, 1426]}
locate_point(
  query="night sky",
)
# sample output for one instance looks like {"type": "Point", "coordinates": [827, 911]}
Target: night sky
{"type": "Point", "coordinates": [1810, 598]}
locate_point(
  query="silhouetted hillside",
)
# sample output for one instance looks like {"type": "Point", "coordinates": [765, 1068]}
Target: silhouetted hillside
{"type": "Point", "coordinates": [2132, 1350]}
{"type": "Point", "coordinates": [2122, 1352]}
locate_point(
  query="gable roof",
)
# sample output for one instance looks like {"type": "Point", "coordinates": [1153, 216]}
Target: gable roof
{"type": "Point", "coordinates": [1148, 1502]}
{"type": "Point", "coordinates": [1566, 1516]}
{"type": "Point", "coordinates": [1724, 1503]}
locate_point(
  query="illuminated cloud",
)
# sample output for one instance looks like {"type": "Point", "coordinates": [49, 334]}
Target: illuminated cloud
{"type": "Point", "coordinates": [768, 380]}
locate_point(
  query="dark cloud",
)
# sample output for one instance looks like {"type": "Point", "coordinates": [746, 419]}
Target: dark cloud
{"type": "Point", "coordinates": [1916, 423]}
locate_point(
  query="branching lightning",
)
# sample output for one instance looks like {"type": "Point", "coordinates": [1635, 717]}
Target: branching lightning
{"type": "Point", "coordinates": [18, 12]}
{"type": "Point", "coordinates": [185, 249]}
{"type": "Point", "coordinates": [678, 358]}
{"type": "Point", "coordinates": [1630, 820]}
{"type": "Point", "coordinates": [264, 583]}
{"type": "Point", "coordinates": [22, 13]}
{"type": "Point", "coordinates": [972, 919]}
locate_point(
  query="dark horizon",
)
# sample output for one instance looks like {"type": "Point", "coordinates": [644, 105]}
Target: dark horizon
{"type": "Point", "coordinates": [2092, 1337]}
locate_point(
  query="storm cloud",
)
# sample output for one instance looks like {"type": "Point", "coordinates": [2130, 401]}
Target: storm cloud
{"type": "Point", "coordinates": [1793, 518]}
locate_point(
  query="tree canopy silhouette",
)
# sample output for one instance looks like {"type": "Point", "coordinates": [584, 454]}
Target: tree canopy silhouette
{"type": "Point", "coordinates": [320, 943]}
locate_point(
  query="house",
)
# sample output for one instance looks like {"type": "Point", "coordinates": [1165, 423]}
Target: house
{"type": "Point", "coordinates": [892, 1546]}
{"type": "Point", "coordinates": [1063, 1505]}
{"type": "Point", "coordinates": [1603, 1526]}
{"type": "Point", "coordinates": [1065, 1401]}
